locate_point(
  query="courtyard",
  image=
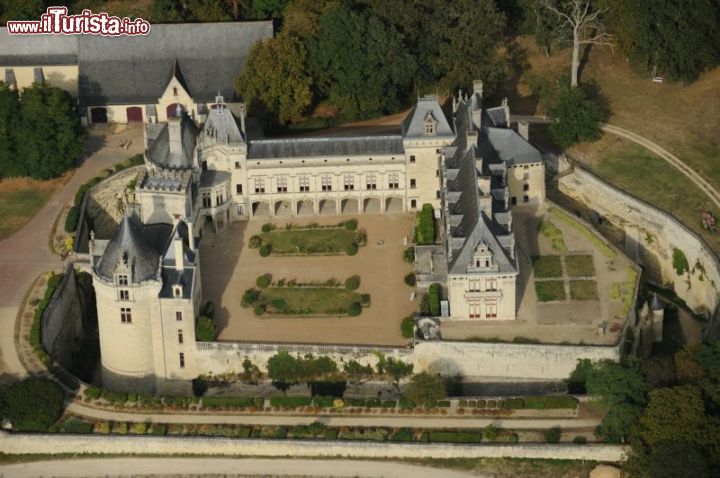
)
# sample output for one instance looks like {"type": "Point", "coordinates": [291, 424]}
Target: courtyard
{"type": "Point", "coordinates": [230, 267]}
{"type": "Point", "coordinates": [573, 287]}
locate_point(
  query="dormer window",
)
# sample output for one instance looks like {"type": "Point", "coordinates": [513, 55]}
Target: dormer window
{"type": "Point", "coordinates": [122, 279]}
{"type": "Point", "coordinates": [177, 291]}
{"type": "Point", "coordinates": [430, 123]}
{"type": "Point", "coordinates": [482, 259]}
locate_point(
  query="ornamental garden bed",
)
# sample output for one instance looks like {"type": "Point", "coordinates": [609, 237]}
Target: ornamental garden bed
{"type": "Point", "coordinates": [547, 267]}
{"type": "Point", "coordinates": [583, 290]}
{"type": "Point", "coordinates": [579, 266]}
{"type": "Point", "coordinates": [312, 239]}
{"type": "Point", "coordinates": [550, 290]}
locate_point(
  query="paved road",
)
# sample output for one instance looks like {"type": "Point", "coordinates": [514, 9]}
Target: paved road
{"type": "Point", "coordinates": [107, 467]}
{"type": "Point", "coordinates": [367, 421]}
{"type": "Point", "coordinates": [676, 162]}
{"type": "Point", "coordinates": [26, 254]}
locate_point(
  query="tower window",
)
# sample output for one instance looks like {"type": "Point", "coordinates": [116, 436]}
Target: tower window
{"type": "Point", "coordinates": [180, 336]}
{"type": "Point", "coordinates": [182, 360]}
{"type": "Point", "coordinates": [178, 316]}
{"type": "Point", "coordinates": [412, 184]}
{"type": "Point", "coordinates": [412, 158]}
{"type": "Point", "coordinates": [125, 315]}
{"type": "Point", "coordinates": [349, 181]}
{"type": "Point", "coordinates": [238, 189]}
{"type": "Point", "coordinates": [122, 279]}
{"type": "Point", "coordinates": [370, 181]}
{"type": "Point", "coordinates": [124, 294]}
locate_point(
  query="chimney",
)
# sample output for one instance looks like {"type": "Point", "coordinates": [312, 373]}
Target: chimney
{"type": "Point", "coordinates": [191, 236]}
{"type": "Point", "coordinates": [242, 119]}
{"type": "Point", "coordinates": [174, 131]}
{"type": "Point", "coordinates": [478, 87]}
{"type": "Point", "coordinates": [91, 248]}
{"type": "Point", "coordinates": [506, 107]}
{"type": "Point", "coordinates": [179, 261]}
{"type": "Point", "coordinates": [524, 130]}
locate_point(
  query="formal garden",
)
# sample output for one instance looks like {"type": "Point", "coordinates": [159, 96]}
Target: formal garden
{"type": "Point", "coordinates": [288, 297]}
{"type": "Point", "coordinates": [553, 273]}
{"type": "Point", "coordinates": [310, 239]}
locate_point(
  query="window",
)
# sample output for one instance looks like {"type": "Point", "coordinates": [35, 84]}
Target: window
{"type": "Point", "coordinates": [180, 336]}
{"type": "Point", "coordinates": [238, 189]}
{"type": "Point", "coordinates": [513, 201]}
{"type": "Point", "coordinates": [370, 181]}
{"type": "Point", "coordinates": [124, 294]}
{"type": "Point", "coordinates": [438, 151]}
{"type": "Point", "coordinates": [393, 181]}
{"type": "Point", "coordinates": [526, 198]}
{"type": "Point", "coordinates": [491, 309]}
{"type": "Point", "coordinates": [240, 210]}
{"type": "Point", "coordinates": [182, 360]}
{"type": "Point", "coordinates": [207, 200]}
{"type": "Point", "coordinates": [412, 158]}
{"type": "Point", "coordinates": [304, 184]}
{"type": "Point", "coordinates": [437, 173]}
{"type": "Point", "coordinates": [174, 90]}
{"type": "Point", "coordinates": [526, 187]}
{"type": "Point", "coordinates": [429, 128]}
{"type": "Point", "coordinates": [526, 176]}
{"type": "Point", "coordinates": [122, 279]}
{"type": "Point", "coordinates": [282, 184]}
{"type": "Point", "coordinates": [412, 184]}
{"type": "Point", "coordinates": [125, 315]}
{"type": "Point", "coordinates": [437, 194]}
{"type": "Point", "coordinates": [219, 199]}
{"type": "Point", "coordinates": [413, 204]}
{"type": "Point", "coordinates": [492, 284]}
{"type": "Point", "coordinates": [474, 285]}
{"type": "Point", "coordinates": [178, 316]}
{"type": "Point", "coordinates": [237, 164]}
{"type": "Point", "coordinates": [349, 181]}
{"type": "Point", "coordinates": [177, 292]}
{"type": "Point", "coordinates": [259, 186]}
{"type": "Point", "coordinates": [474, 309]}
{"type": "Point", "coordinates": [326, 181]}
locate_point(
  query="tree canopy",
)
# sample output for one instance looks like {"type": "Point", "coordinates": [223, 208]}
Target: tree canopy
{"type": "Point", "coordinates": [577, 117]}
{"type": "Point", "coordinates": [31, 405]}
{"type": "Point", "coordinates": [425, 389]}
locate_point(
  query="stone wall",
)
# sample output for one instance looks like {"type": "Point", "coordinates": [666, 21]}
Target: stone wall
{"type": "Point", "coordinates": [61, 328]}
{"type": "Point", "coordinates": [651, 237]}
{"type": "Point", "coordinates": [502, 360]}
{"type": "Point", "coordinates": [52, 444]}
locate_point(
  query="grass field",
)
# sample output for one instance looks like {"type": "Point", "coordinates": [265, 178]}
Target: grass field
{"type": "Point", "coordinates": [550, 290]}
{"type": "Point", "coordinates": [547, 266]}
{"type": "Point", "coordinates": [583, 290]}
{"type": "Point", "coordinates": [579, 266]}
{"type": "Point", "coordinates": [307, 300]}
{"type": "Point", "coordinates": [21, 199]}
{"type": "Point", "coordinates": [311, 241]}
{"type": "Point", "coordinates": [554, 235]}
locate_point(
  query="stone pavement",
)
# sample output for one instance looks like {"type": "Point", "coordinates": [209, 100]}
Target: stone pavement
{"type": "Point", "coordinates": [26, 254]}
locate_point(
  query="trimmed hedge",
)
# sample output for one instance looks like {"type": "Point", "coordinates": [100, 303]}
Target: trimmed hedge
{"type": "Point", "coordinates": [265, 250]}
{"type": "Point", "coordinates": [425, 229]}
{"type": "Point", "coordinates": [543, 403]}
{"type": "Point", "coordinates": [351, 224]}
{"type": "Point", "coordinates": [455, 436]}
{"type": "Point", "coordinates": [352, 283]}
{"type": "Point", "coordinates": [71, 220]}
{"type": "Point", "coordinates": [355, 309]}
{"type": "Point", "coordinates": [410, 279]}
{"type": "Point", "coordinates": [434, 296]}
{"type": "Point", "coordinates": [407, 327]}
{"type": "Point", "coordinates": [264, 281]}
{"type": "Point", "coordinates": [232, 402]}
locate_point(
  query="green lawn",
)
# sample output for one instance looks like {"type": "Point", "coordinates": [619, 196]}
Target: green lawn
{"type": "Point", "coordinates": [583, 290]}
{"type": "Point", "coordinates": [550, 290]}
{"type": "Point", "coordinates": [555, 235]}
{"type": "Point", "coordinates": [547, 266]}
{"type": "Point", "coordinates": [307, 300]}
{"type": "Point", "coordinates": [17, 207]}
{"type": "Point", "coordinates": [579, 266]}
{"type": "Point", "coordinates": [312, 241]}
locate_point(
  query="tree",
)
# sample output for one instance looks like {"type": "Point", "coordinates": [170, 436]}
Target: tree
{"type": "Point", "coordinates": [577, 117]}
{"type": "Point", "coordinates": [275, 83]}
{"type": "Point", "coordinates": [545, 25]}
{"type": "Point", "coordinates": [582, 22]}
{"type": "Point", "coordinates": [49, 135]}
{"type": "Point", "coordinates": [615, 383]}
{"type": "Point", "coordinates": [618, 422]}
{"type": "Point", "coordinates": [262, 9]}
{"type": "Point", "coordinates": [205, 330]}
{"type": "Point", "coordinates": [33, 404]}
{"type": "Point", "coordinates": [168, 11]}
{"type": "Point", "coordinates": [425, 389]}
{"type": "Point", "coordinates": [283, 367]}
{"type": "Point", "coordinates": [9, 109]}
{"type": "Point", "coordinates": [675, 39]}
{"type": "Point", "coordinates": [22, 9]}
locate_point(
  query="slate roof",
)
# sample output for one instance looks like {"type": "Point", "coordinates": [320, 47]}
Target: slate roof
{"type": "Point", "coordinates": [32, 50]}
{"type": "Point", "coordinates": [213, 177]}
{"type": "Point", "coordinates": [159, 151]}
{"type": "Point", "coordinates": [138, 245]}
{"type": "Point", "coordinates": [413, 127]}
{"type": "Point", "coordinates": [136, 69]}
{"type": "Point", "coordinates": [221, 124]}
{"type": "Point", "coordinates": [333, 146]}
{"type": "Point", "coordinates": [510, 147]}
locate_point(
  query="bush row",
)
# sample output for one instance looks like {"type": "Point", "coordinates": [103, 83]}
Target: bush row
{"type": "Point", "coordinates": [34, 337]}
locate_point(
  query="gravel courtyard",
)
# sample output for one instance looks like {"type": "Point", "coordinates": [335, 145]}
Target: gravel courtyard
{"type": "Point", "coordinates": [229, 267]}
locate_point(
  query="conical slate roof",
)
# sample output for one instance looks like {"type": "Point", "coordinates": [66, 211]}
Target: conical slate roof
{"type": "Point", "coordinates": [129, 245]}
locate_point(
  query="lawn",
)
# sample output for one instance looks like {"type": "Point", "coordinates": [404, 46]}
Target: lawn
{"type": "Point", "coordinates": [308, 300]}
{"type": "Point", "coordinates": [336, 240]}
{"type": "Point", "coordinates": [547, 266]}
{"type": "Point", "coordinates": [553, 234]}
{"type": "Point", "coordinates": [606, 250]}
{"type": "Point", "coordinates": [21, 199]}
{"type": "Point", "coordinates": [579, 266]}
{"type": "Point", "coordinates": [583, 290]}
{"type": "Point", "coordinates": [550, 290]}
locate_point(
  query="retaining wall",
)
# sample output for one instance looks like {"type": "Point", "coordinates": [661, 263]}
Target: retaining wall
{"type": "Point", "coordinates": [49, 444]}
{"type": "Point", "coordinates": [653, 234]}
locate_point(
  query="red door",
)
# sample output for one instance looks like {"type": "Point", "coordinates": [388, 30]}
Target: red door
{"type": "Point", "coordinates": [134, 114]}
{"type": "Point", "coordinates": [98, 115]}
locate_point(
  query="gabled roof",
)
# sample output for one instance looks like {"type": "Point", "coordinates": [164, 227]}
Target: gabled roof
{"type": "Point", "coordinates": [37, 50]}
{"type": "Point", "coordinates": [159, 152]}
{"type": "Point", "coordinates": [510, 147]}
{"type": "Point", "coordinates": [221, 124]}
{"type": "Point", "coordinates": [413, 126]}
{"type": "Point", "coordinates": [137, 246]}
{"type": "Point", "coordinates": [177, 74]}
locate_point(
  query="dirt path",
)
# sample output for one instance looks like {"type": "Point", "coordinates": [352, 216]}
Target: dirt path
{"type": "Point", "coordinates": [224, 467]}
{"type": "Point", "coordinates": [26, 254]}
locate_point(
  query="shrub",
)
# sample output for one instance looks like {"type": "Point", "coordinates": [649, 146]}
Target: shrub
{"type": "Point", "coordinates": [352, 283]}
{"type": "Point", "coordinates": [33, 404]}
{"type": "Point", "coordinates": [250, 297]}
{"type": "Point", "coordinates": [425, 229]}
{"type": "Point", "coordinates": [205, 331]}
{"type": "Point", "coordinates": [92, 393]}
{"type": "Point", "coordinates": [290, 402]}
{"type": "Point", "coordinates": [409, 255]}
{"type": "Point", "coordinates": [552, 435]}
{"type": "Point", "coordinates": [351, 224]}
{"type": "Point", "coordinates": [352, 249]}
{"type": "Point", "coordinates": [159, 429]}
{"type": "Point", "coordinates": [403, 434]}
{"type": "Point", "coordinates": [208, 309]}
{"type": "Point", "coordinates": [255, 242]}
{"type": "Point", "coordinates": [542, 403]}
{"type": "Point", "coordinates": [365, 300]}
{"type": "Point", "coordinates": [434, 295]}
{"type": "Point", "coordinates": [259, 309]}
{"type": "Point", "coordinates": [264, 281]}
{"type": "Point", "coordinates": [280, 305]}
{"type": "Point", "coordinates": [514, 403]}
{"type": "Point", "coordinates": [73, 425]}
{"type": "Point", "coordinates": [229, 402]}
{"type": "Point", "coordinates": [354, 309]}
{"type": "Point", "coordinates": [265, 250]}
{"type": "Point", "coordinates": [267, 227]}
{"type": "Point", "coordinates": [455, 437]}
{"type": "Point", "coordinates": [680, 262]}
{"type": "Point", "coordinates": [410, 279]}
{"type": "Point", "coordinates": [490, 432]}
{"type": "Point", "coordinates": [115, 398]}
{"type": "Point", "coordinates": [407, 327]}
{"type": "Point", "coordinates": [199, 386]}
{"type": "Point", "coordinates": [580, 440]}
{"type": "Point", "coordinates": [71, 220]}
{"type": "Point", "coordinates": [425, 389]}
